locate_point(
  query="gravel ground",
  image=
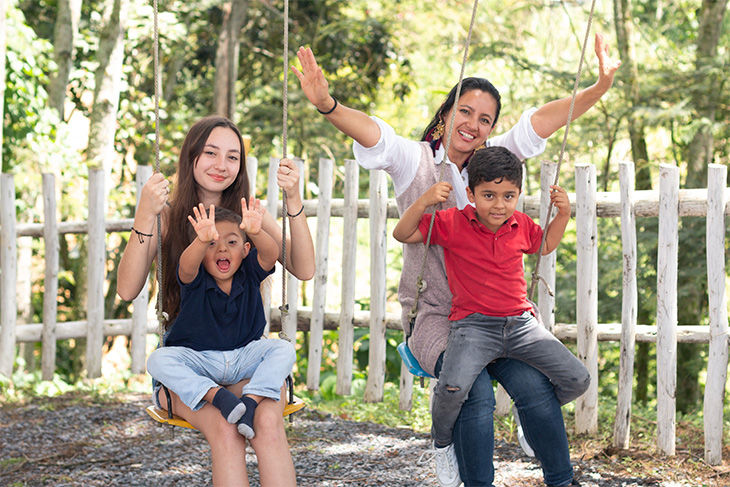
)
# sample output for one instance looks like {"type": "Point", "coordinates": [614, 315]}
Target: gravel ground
{"type": "Point", "coordinates": [69, 441]}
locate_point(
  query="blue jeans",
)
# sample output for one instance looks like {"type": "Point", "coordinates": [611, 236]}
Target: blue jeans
{"type": "Point", "coordinates": [540, 414]}
{"type": "Point", "coordinates": [191, 374]}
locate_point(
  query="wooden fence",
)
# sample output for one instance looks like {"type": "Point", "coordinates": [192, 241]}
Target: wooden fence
{"type": "Point", "coordinates": [668, 203]}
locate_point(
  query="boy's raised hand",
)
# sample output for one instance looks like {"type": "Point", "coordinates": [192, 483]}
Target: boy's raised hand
{"type": "Point", "coordinates": [252, 216]}
{"type": "Point", "coordinates": [204, 224]}
{"type": "Point", "coordinates": [438, 193]}
{"type": "Point", "coordinates": [560, 200]}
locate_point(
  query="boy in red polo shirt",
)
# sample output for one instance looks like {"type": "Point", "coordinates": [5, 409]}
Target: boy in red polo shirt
{"type": "Point", "coordinates": [490, 313]}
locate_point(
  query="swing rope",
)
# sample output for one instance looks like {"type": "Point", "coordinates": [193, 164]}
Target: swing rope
{"type": "Point", "coordinates": [419, 283]}
{"type": "Point", "coordinates": [161, 315]}
{"type": "Point", "coordinates": [535, 273]}
{"type": "Point", "coordinates": [294, 404]}
{"type": "Point", "coordinates": [284, 308]}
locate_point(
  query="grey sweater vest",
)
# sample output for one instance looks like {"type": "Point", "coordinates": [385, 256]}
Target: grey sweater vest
{"type": "Point", "coordinates": [431, 330]}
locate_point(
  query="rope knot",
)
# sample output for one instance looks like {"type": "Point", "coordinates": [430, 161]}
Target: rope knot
{"type": "Point", "coordinates": [541, 279]}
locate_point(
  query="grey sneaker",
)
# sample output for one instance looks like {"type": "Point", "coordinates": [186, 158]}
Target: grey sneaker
{"type": "Point", "coordinates": [521, 434]}
{"type": "Point", "coordinates": [447, 468]}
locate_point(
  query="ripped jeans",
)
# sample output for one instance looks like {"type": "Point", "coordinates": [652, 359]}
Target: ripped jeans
{"type": "Point", "coordinates": [478, 340]}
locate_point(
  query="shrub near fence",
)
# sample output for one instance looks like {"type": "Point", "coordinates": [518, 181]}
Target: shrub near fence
{"type": "Point", "coordinates": [669, 203]}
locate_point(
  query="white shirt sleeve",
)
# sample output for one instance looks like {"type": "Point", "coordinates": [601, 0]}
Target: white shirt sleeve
{"type": "Point", "coordinates": [395, 155]}
{"type": "Point", "coordinates": [522, 138]}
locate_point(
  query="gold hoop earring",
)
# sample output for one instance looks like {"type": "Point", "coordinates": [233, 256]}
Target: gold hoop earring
{"type": "Point", "coordinates": [438, 131]}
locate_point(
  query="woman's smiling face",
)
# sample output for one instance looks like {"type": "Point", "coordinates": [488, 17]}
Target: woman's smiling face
{"type": "Point", "coordinates": [475, 114]}
{"type": "Point", "coordinates": [217, 166]}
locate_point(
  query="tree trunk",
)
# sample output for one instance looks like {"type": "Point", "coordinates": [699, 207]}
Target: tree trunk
{"type": "Point", "coordinates": [108, 77]}
{"type": "Point", "coordinates": [226, 59]}
{"type": "Point", "coordinates": [67, 25]}
{"type": "Point", "coordinates": [627, 51]}
{"type": "Point", "coordinates": [706, 92]}
{"type": "Point", "coordinates": [3, 34]}
{"type": "Point", "coordinates": [639, 153]}
{"type": "Point", "coordinates": [706, 95]}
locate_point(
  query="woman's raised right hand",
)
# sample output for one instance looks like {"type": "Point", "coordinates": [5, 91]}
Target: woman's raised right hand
{"type": "Point", "coordinates": [314, 85]}
{"type": "Point", "coordinates": [155, 193]}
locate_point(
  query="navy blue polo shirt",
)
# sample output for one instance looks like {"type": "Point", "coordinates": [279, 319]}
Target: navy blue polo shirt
{"type": "Point", "coordinates": [210, 319]}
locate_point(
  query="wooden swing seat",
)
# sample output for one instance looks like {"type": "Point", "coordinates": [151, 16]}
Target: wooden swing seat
{"type": "Point", "coordinates": [161, 416]}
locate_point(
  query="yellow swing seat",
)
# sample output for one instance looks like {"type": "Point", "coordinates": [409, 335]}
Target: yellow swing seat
{"type": "Point", "coordinates": [161, 416]}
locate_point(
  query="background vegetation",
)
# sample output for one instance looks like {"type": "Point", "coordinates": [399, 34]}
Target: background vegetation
{"type": "Point", "coordinates": [394, 59]}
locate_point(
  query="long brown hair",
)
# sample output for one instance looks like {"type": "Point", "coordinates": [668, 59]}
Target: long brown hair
{"type": "Point", "coordinates": [185, 196]}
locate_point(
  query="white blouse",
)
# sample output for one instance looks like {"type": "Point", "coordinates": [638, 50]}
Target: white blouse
{"type": "Point", "coordinates": [399, 157]}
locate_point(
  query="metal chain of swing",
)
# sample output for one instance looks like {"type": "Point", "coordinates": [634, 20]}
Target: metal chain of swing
{"type": "Point", "coordinates": [284, 308]}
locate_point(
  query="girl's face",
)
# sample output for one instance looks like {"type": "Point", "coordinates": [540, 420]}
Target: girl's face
{"type": "Point", "coordinates": [217, 166]}
{"type": "Point", "coordinates": [475, 112]}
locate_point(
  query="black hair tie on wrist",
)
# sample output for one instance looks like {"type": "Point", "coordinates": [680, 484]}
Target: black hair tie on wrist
{"type": "Point", "coordinates": [296, 214]}
{"type": "Point", "coordinates": [332, 110]}
{"type": "Point", "coordinates": [141, 236]}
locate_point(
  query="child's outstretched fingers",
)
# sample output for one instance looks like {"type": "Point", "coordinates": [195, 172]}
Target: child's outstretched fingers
{"type": "Point", "coordinates": [204, 224]}
{"type": "Point", "coordinates": [252, 215]}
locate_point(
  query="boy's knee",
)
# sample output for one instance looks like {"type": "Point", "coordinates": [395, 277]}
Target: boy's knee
{"type": "Point", "coordinates": [451, 392]}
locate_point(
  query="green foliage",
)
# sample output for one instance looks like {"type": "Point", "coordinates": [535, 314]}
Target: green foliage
{"type": "Point", "coordinates": [29, 126]}
{"type": "Point", "coordinates": [355, 408]}
{"type": "Point", "coordinates": [395, 60]}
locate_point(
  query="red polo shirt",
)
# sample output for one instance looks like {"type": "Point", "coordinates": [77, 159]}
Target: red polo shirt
{"type": "Point", "coordinates": [485, 269]}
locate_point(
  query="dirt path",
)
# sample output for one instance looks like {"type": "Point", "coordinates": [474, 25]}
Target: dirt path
{"type": "Point", "coordinates": [71, 441]}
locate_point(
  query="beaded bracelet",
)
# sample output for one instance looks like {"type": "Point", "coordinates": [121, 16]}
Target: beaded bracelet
{"type": "Point", "coordinates": [141, 236]}
{"type": "Point", "coordinates": [297, 213]}
{"type": "Point", "coordinates": [332, 110]}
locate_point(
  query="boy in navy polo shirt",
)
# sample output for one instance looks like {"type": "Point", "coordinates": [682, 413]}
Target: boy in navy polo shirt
{"type": "Point", "coordinates": [490, 312]}
{"type": "Point", "coordinates": [216, 339]}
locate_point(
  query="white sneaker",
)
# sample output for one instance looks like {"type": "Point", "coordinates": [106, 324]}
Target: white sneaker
{"type": "Point", "coordinates": [447, 468]}
{"type": "Point", "coordinates": [521, 434]}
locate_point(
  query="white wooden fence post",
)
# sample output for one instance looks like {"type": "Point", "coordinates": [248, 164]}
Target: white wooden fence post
{"type": "Point", "coordinates": [252, 169]}
{"type": "Point", "coordinates": [545, 302]}
{"type": "Point", "coordinates": [378, 211]}
{"type": "Point", "coordinates": [716, 272]}
{"type": "Point", "coordinates": [138, 338]}
{"type": "Point", "coordinates": [50, 292]}
{"type": "Point", "coordinates": [316, 327]}
{"type": "Point", "coordinates": [96, 273]}
{"type": "Point", "coordinates": [272, 206]}
{"type": "Point", "coordinates": [9, 274]}
{"type": "Point", "coordinates": [292, 283]}
{"type": "Point", "coordinates": [347, 303]}
{"type": "Point", "coordinates": [666, 345]}
{"type": "Point", "coordinates": [586, 409]}
{"type": "Point", "coordinates": [629, 308]}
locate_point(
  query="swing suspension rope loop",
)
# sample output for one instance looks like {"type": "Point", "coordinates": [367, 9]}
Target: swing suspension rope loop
{"type": "Point", "coordinates": [419, 285]}
{"type": "Point", "coordinates": [535, 274]}
{"type": "Point", "coordinates": [284, 308]}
